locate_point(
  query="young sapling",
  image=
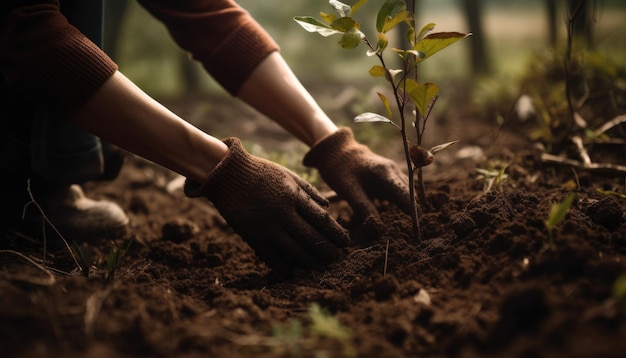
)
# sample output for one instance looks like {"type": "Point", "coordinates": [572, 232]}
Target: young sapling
{"type": "Point", "coordinates": [407, 90]}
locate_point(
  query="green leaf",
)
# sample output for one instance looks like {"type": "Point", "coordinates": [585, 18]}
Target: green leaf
{"type": "Point", "coordinates": [611, 192]}
{"type": "Point", "coordinates": [356, 6]}
{"type": "Point", "coordinates": [386, 104]}
{"type": "Point", "coordinates": [410, 85]}
{"type": "Point", "coordinates": [112, 260]}
{"type": "Point", "coordinates": [83, 258]}
{"type": "Point", "coordinates": [341, 8]}
{"type": "Point", "coordinates": [388, 10]}
{"type": "Point", "coordinates": [351, 39]}
{"type": "Point", "coordinates": [326, 325]}
{"type": "Point", "coordinates": [311, 24]}
{"type": "Point", "coordinates": [425, 29]}
{"type": "Point", "coordinates": [390, 23]}
{"type": "Point", "coordinates": [382, 42]}
{"type": "Point", "coordinates": [371, 117]}
{"type": "Point", "coordinates": [436, 42]}
{"type": "Point", "coordinates": [403, 54]}
{"type": "Point", "coordinates": [344, 24]}
{"type": "Point", "coordinates": [619, 288]}
{"type": "Point", "coordinates": [328, 18]}
{"type": "Point", "coordinates": [443, 146]}
{"type": "Point", "coordinates": [391, 75]}
{"type": "Point", "coordinates": [558, 211]}
{"type": "Point", "coordinates": [424, 96]}
{"type": "Point", "coordinates": [377, 71]}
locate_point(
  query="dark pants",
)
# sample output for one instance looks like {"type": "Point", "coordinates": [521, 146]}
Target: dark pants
{"type": "Point", "coordinates": [36, 140]}
{"type": "Point", "coordinates": [38, 144]}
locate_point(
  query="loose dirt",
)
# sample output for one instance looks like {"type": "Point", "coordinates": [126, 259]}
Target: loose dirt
{"type": "Point", "coordinates": [483, 281]}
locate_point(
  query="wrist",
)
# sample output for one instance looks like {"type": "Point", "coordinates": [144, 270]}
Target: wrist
{"type": "Point", "coordinates": [329, 148]}
{"type": "Point", "coordinates": [321, 132]}
{"type": "Point", "coordinates": [220, 172]}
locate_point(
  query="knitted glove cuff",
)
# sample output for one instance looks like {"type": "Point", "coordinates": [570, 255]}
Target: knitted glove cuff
{"type": "Point", "coordinates": [232, 173]}
{"type": "Point", "coordinates": [329, 148]}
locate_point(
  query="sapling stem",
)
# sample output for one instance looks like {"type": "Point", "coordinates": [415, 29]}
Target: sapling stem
{"type": "Point", "coordinates": [420, 134]}
{"type": "Point", "coordinates": [400, 103]}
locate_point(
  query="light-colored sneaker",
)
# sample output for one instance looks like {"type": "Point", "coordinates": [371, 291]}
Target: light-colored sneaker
{"type": "Point", "coordinates": [79, 218]}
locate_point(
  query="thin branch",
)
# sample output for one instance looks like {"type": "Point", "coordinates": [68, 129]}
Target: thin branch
{"type": "Point", "coordinates": [43, 214]}
{"type": "Point", "coordinates": [582, 152]}
{"type": "Point", "coordinates": [591, 167]}
{"type": "Point", "coordinates": [51, 279]}
{"type": "Point", "coordinates": [610, 124]}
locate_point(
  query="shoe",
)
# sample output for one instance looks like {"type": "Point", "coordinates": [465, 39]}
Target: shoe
{"type": "Point", "coordinates": [77, 217]}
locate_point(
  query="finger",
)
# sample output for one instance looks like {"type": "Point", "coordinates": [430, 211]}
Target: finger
{"type": "Point", "coordinates": [324, 226]}
{"type": "Point", "coordinates": [358, 199]}
{"type": "Point", "coordinates": [312, 241]}
{"type": "Point", "coordinates": [310, 190]}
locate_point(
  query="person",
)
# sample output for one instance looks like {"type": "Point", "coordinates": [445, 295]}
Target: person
{"type": "Point", "coordinates": [64, 99]}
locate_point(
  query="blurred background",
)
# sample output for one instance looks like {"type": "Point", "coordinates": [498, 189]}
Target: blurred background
{"type": "Point", "coordinates": [510, 33]}
{"type": "Point", "coordinates": [479, 77]}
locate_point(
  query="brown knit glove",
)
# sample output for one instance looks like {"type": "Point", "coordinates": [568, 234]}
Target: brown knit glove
{"type": "Point", "coordinates": [358, 175]}
{"type": "Point", "coordinates": [275, 211]}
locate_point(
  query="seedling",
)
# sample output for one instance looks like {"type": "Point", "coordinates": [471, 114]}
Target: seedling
{"type": "Point", "coordinates": [115, 258]}
{"type": "Point", "coordinates": [557, 214]}
{"type": "Point", "coordinates": [611, 193]}
{"type": "Point", "coordinates": [619, 292]}
{"type": "Point", "coordinates": [494, 176]}
{"type": "Point", "coordinates": [408, 92]}
{"type": "Point", "coordinates": [297, 337]}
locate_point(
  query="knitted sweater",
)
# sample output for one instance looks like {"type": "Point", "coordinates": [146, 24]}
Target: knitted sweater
{"type": "Point", "coordinates": [48, 60]}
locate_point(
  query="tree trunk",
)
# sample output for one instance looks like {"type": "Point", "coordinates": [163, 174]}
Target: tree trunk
{"type": "Point", "coordinates": [478, 48]}
{"type": "Point", "coordinates": [581, 14]}
{"type": "Point", "coordinates": [552, 22]}
{"type": "Point", "coordinates": [114, 11]}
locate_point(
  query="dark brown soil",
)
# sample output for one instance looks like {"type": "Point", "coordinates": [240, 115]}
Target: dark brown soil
{"type": "Point", "coordinates": [483, 281]}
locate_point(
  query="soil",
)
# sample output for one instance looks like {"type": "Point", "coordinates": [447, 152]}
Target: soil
{"type": "Point", "coordinates": [484, 280]}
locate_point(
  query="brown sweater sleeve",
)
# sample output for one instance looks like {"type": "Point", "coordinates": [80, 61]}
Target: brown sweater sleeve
{"type": "Point", "coordinates": [49, 60]}
{"type": "Point", "coordinates": [218, 33]}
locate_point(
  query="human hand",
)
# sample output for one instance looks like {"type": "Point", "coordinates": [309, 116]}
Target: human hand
{"type": "Point", "coordinates": [359, 175]}
{"type": "Point", "coordinates": [276, 212]}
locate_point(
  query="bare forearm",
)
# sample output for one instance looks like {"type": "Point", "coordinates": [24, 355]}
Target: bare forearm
{"type": "Point", "coordinates": [274, 90]}
{"type": "Point", "coordinates": [124, 115]}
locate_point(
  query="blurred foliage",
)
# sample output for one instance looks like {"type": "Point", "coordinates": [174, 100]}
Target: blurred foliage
{"type": "Point", "coordinates": [148, 56]}
{"type": "Point", "coordinates": [312, 336]}
{"type": "Point", "coordinates": [598, 91]}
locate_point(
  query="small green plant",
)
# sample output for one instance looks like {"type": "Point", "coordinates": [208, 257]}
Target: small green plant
{"type": "Point", "coordinates": [611, 192]}
{"type": "Point", "coordinates": [296, 337]}
{"type": "Point", "coordinates": [410, 95]}
{"type": "Point", "coordinates": [289, 337]}
{"type": "Point", "coordinates": [115, 258]}
{"type": "Point", "coordinates": [619, 292]}
{"type": "Point", "coordinates": [326, 325]}
{"type": "Point", "coordinates": [557, 214]}
{"type": "Point", "coordinates": [494, 175]}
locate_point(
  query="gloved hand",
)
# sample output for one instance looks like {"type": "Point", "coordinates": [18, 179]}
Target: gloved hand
{"type": "Point", "coordinates": [276, 212]}
{"type": "Point", "coordinates": [358, 175]}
